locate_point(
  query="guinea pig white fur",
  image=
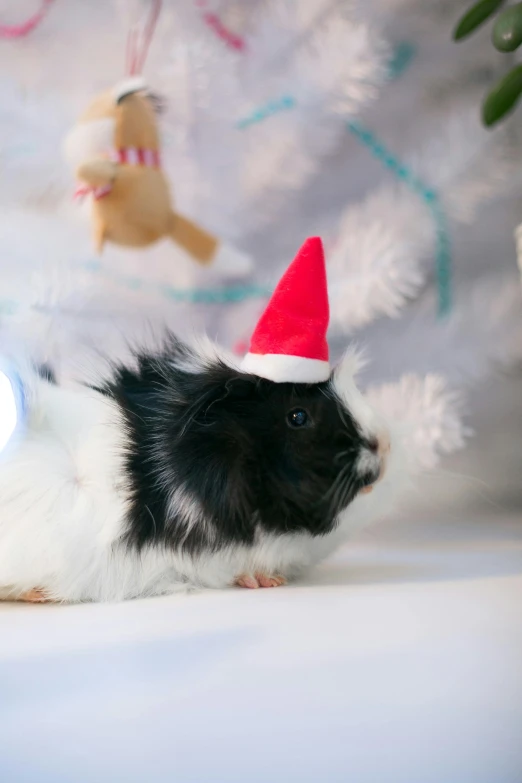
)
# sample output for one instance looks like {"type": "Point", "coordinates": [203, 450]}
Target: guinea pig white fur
{"type": "Point", "coordinates": [183, 471]}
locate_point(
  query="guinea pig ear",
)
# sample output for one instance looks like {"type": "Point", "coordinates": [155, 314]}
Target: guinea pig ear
{"type": "Point", "coordinates": [218, 389]}
{"type": "Point", "coordinates": [240, 387]}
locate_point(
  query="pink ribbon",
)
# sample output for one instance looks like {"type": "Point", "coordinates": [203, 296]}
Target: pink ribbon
{"type": "Point", "coordinates": [137, 50]}
{"type": "Point", "coordinates": [20, 30]}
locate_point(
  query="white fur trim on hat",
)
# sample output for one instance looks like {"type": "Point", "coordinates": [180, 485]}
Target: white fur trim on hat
{"type": "Point", "coordinates": [128, 86]}
{"type": "Point", "coordinates": [286, 369]}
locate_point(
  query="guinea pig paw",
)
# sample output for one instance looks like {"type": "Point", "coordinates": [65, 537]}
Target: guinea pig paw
{"type": "Point", "coordinates": [34, 596]}
{"type": "Point", "coordinates": [270, 581]}
{"type": "Point", "coordinates": [259, 580]}
{"type": "Point", "coordinates": [247, 581]}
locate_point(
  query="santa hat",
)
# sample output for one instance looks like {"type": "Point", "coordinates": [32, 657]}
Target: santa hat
{"type": "Point", "coordinates": [289, 342]}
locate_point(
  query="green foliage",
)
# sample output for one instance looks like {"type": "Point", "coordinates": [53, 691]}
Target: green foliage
{"type": "Point", "coordinates": [507, 32]}
{"type": "Point", "coordinates": [503, 97]}
{"type": "Point", "coordinates": [507, 37]}
{"type": "Point", "coordinates": [477, 15]}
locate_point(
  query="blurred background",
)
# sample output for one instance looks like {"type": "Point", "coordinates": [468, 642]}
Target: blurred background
{"type": "Point", "coordinates": [358, 120]}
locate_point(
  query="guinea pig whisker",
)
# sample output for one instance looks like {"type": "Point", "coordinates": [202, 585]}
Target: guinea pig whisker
{"type": "Point", "coordinates": [342, 490]}
{"type": "Point", "coordinates": [341, 454]}
{"type": "Point", "coordinates": [337, 481]}
{"type": "Point", "coordinates": [347, 494]}
{"type": "Point", "coordinates": [337, 486]}
{"type": "Point", "coordinates": [337, 499]}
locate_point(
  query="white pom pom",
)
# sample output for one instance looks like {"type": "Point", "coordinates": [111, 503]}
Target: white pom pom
{"type": "Point", "coordinates": [426, 416]}
{"type": "Point", "coordinates": [377, 263]}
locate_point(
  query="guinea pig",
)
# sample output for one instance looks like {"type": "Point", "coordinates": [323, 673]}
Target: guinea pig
{"type": "Point", "coordinates": [180, 471]}
{"type": "Point", "coordinates": [185, 469]}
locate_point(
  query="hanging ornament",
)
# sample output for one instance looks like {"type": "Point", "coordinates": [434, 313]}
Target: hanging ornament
{"type": "Point", "coordinates": [115, 150]}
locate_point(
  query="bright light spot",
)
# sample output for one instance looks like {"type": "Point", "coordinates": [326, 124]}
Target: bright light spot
{"type": "Point", "coordinates": [8, 412]}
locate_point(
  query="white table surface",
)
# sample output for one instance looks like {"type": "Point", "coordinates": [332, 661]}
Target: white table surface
{"type": "Point", "coordinates": [399, 660]}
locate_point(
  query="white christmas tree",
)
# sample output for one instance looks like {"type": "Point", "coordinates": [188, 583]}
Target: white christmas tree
{"type": "Point", "coordinates": [280, 120]}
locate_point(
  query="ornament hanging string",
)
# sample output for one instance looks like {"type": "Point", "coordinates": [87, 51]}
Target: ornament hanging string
{"type": "Point", "coordinates": [21, 30]}
{"type": "Point", "coordinates": [137, 50]}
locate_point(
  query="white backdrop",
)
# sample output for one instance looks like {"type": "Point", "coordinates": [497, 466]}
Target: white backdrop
{"type": "Point", "coordinates": [399, 660]}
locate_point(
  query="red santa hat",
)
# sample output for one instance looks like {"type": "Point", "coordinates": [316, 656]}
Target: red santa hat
{"type": "Point", "coordinates": [289, 342]}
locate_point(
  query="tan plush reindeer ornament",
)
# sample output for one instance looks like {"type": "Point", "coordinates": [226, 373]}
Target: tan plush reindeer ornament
{"type": "Point", "coordinates": [115, 150]}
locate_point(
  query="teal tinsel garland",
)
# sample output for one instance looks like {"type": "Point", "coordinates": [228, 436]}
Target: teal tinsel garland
{"type": "Point", "coordinates": [430, 197]}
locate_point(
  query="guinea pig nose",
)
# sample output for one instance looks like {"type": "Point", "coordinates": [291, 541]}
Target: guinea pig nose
{"type": "Point", "coordinates": [373, 445]}
{"type": "Point", "coordinates": [379, 445]}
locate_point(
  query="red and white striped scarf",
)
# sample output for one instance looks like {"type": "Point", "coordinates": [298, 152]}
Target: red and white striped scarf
{"type": "Point", "coordinates": [136, 156]}
{"type": "Point", "coordinates": [131, 156]}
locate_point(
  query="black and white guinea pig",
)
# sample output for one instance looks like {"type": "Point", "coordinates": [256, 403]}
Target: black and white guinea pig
{"type": "Point", "coordinates": [182, 470]}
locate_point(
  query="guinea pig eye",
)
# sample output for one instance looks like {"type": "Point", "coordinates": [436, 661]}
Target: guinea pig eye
{"type": "Point", "coordinates": [298, 418]}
